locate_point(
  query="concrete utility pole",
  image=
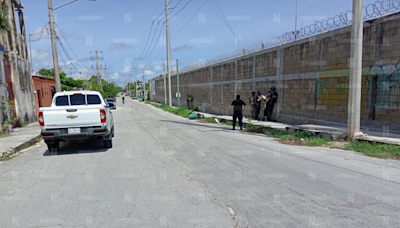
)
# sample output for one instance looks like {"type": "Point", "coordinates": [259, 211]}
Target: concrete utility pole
{"type": "Point", "coordinates": [168, 52]}
{"type": "Point", "coordinates": [54, 47]}
{"type": "Point", "coordinates": [98, 71]}
{"type": "Point", "coordinates": [136, 83]}
{"type": "Point", "coordinates": [354, 103]}
{"type": "Point", "coordinates": [131, 69]}
{"type": "Point", "coordinates": [165, 86]}
{"type": "Point", "coordinates": [144, 84]}
{"type": "Point", "coordinates": [177, 84]}
{"type": "Point", "coordinates": [105, 72]}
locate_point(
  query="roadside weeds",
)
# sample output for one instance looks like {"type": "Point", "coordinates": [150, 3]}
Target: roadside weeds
{"type": "Point", "coordinates": [302, 138]}
{"type": "Point", "coordinates": [13, 152]}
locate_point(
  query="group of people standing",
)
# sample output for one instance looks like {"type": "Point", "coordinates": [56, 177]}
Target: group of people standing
{"type": "Point", "coordinates": [238, 106]}
{"type": "Point", "coordinates": [257, 100]}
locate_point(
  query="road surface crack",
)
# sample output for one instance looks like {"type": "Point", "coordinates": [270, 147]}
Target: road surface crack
{"type": "Point", "coordinates": [207, 192]}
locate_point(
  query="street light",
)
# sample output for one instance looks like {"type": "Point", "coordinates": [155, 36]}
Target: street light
{"type": "Point", "coordinates": [53, 42]}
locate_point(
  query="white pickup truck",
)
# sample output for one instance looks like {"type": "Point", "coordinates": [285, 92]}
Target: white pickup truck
{"type": "Point", "coordinates": [76, 115]}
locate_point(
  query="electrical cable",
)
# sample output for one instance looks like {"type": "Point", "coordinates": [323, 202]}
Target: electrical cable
{"type": "Point", "coordinates": [151, 29]}
{"type": "Point", "coordinates": [190, 19]}
{"type": "Point", "coordinates": [82, 65]}
{"type": "Point", "coordinates": [41, 53]}
{"type": "Point", "coordinates": [225, 22]}
{"type": "Point", "coordinates": [245, 20]}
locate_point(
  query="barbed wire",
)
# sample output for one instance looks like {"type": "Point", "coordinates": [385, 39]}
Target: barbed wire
{"type": "Point", "coordinates": [371, 11]}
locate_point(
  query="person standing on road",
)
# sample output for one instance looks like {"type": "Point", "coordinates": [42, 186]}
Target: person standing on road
{"type": "Point", "coordinates": [252, 101]}
{"type": "Point", "coordinates": [272, 97]}
{"type": "Point", "coordinates": [123, 100]}
{"type": "Point", "coordinates": [237, 108]}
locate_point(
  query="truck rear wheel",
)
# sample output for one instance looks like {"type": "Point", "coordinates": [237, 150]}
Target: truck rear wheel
{"type": "Point", "coordinates": [53, 147]}
{"type": "Point", "coordinates": [107, 143]}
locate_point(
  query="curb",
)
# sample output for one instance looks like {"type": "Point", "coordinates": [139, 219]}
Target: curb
{"type": "Point", "coordinates": [14, 150]}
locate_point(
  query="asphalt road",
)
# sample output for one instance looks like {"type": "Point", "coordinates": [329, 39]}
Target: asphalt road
{"type": "Point", "coordinates": [167, 171]}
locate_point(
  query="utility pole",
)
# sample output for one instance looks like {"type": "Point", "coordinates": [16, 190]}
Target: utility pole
{"type": "Point", "coordinates": [165, 86]}
{"type": "Point", "coordinates": [136, 83]}
{"type": "Point", "coordinates": [54, 47]}
{"type": "Point", "coordinates": [98, 69]}
{"type": "Point", "coordinates": [177, 84]}
{"type": "Point", "coordinates": [354, 104]}
{"type": "Point", "coordinates": [131, 70]}
{"type": "Point", "coordinates": [144, 84]}
{"type": "Point", "coordinates": [168, 52]}
{"type": "Point", "coordinates": [105, 72]}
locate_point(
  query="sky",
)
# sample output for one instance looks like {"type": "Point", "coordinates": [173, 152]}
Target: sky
{"type": "Point", "coordinates": [120, 29]}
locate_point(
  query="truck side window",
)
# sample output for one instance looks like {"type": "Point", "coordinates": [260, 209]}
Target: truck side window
{"type": "Point", "coordinates": [93, 100]}
{"type": "Point", "coordinates": [78, 99]}
{"type": "Point", "coordinates": [62, 101]}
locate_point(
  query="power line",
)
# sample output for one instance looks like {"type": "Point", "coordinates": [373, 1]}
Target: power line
{"type": "Point", "coordinates": [146, 56]}
{"type": "Point", "coordinates": [41, 53]}
{"type": "Point", "coordinates": [71, 49]}
{"type": "Point", "coordinates": [190, 19]}
{"type": "Point", "coordinates": [181, 9]}
{"type": "Point", "coordinates": [245, 20]}
{"type": "Point", "coordinates": [67, 55]}
{"type": "Point", "coordinates": [159, 35]}
{"type": "Point", "coordinates": [151, 29]}
{"type": "Point", "coordinates": [41, 33]}
{"type": "Point", "coordinates": [225, 21]}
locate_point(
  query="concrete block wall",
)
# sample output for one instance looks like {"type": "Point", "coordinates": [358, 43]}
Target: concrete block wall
{"type": "Point", "coordinates": [312, 78]}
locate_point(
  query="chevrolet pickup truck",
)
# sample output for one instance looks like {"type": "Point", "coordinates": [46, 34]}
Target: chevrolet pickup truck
{"type": "Point", "coordinates": [76, 115]}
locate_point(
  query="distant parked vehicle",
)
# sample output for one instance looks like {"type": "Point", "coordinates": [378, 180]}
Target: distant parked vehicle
{"type": "Point", "coordinates": [111, 102]}
{"type": "Point", "coordinates": [127, 94]}
{"type": "Point", "coordinates": [134, 97]}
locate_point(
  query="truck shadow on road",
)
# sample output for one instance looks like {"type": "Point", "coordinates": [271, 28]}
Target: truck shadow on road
{"type": "Point", "coordinates": [75, 147]}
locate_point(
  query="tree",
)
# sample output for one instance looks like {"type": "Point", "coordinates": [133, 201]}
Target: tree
{"type": "Point", "coordinates": [4, 25]}
{"type": "Point", "coordinates": [68, 84]}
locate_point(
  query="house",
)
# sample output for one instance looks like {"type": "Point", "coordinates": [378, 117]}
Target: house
{"type": "Point", "coordinates": [15, 71]}
{"type": "Point", "coordinates": [44, 89]}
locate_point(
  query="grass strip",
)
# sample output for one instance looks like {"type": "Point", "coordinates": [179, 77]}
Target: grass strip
{"type": "Point", "coordinates": [181, 111]}
{"type": "Point", "coordinates": [304, 138]}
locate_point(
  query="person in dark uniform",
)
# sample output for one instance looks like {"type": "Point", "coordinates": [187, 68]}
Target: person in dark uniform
{"type": "Point", "coordinates": [272, 97]}
{"type": "Point", "coordinates": [237, 108]}
{"type": "Point", "coordinates": [252, 101]}
{"type": "Point", "coordinates": [257, 105]}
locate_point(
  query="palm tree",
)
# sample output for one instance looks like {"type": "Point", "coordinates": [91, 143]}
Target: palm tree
{"type": "Point", "coordinates": [4, 25]}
